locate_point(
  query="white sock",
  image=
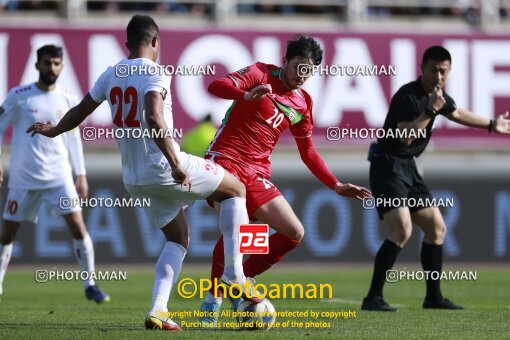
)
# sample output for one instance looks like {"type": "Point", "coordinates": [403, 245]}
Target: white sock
{"type": "Point", "coordinates": [209, 298]}
{"type": "Point", "coordinates": [232, 214]}
{"type": "Point", "coordinates": [84, 253]}
{"type": "Point", "coordinates": [5, 257]}
{"type": "Point", "coordinates": [167, 271]}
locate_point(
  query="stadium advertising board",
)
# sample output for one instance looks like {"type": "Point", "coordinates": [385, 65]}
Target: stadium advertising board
{"type": "Point", "coordinates": [336, 229]}
{"type": "Point", "coordinates": [478, 81]}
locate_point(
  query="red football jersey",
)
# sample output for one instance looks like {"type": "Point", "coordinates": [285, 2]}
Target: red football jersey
{"type": "Point", "coordinates": [250, 129]}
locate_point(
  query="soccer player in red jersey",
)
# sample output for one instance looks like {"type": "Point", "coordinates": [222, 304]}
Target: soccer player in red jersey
{"type": "Point", "coordinates": [267, 100]}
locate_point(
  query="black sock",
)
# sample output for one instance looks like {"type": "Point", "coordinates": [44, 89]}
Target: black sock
{"type": "Point", "coordinates": [432, 260]}
{"type": "Point", "coordinates": [384, 260]}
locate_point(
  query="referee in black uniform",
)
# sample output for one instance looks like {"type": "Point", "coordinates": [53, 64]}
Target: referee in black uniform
{"type": "Point", "coordinates": [393, 174]}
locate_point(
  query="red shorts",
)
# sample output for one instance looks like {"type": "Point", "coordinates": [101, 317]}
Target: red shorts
{"type": "Point", "coordinates": [259, 190]}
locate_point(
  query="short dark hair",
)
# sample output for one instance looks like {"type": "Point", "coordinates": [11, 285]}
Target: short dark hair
{"type": "Point", "coordinates": [140, 31]}
{"type": "Point", "coordinates": [437, 53]}
{"type": "Point", "coordinates": [305, 47]}
{"type": "Point", "coordinates": [51, 50]}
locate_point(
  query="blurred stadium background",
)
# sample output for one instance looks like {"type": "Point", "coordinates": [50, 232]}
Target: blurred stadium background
{"type": "Point", "coordinates": [470, 166]}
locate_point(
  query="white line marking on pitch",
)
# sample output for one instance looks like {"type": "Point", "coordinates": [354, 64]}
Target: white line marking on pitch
{"type": "Point", "coordinates": [356, 302]}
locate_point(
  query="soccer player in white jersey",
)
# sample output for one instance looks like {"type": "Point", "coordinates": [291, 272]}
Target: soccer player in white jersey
{"type": "Point", "coordinates": [155, 168]}
{"type": "Point", "coordinates": [40, 169]}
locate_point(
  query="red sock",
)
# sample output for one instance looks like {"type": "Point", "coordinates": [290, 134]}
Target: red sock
{"type": "Point", "coordinates": [218, 263]}
{"type": "Point", "coordinates": [279, 245]}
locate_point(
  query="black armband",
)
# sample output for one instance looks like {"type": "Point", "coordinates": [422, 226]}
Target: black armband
{"type": "Point", "coordinates": [491, 126]}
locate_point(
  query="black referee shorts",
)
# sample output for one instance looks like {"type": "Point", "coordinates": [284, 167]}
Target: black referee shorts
{"type": "Point", "coordinates": [396, 177]}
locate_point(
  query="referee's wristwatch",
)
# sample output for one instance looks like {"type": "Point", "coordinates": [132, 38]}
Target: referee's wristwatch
{"type": "Point", "coordinates": [491, 126]}
{"type": "Point", "coordinates": [430, 111]}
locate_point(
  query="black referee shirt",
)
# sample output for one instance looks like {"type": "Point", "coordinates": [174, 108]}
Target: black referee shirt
{"type": "Point", "coordinates": [406, 105]}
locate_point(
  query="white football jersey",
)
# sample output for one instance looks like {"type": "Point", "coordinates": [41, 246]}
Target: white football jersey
{"type": "Point", "coordinates": [142, 160]}
{"type": "Point", "coordinates": [39, 162]}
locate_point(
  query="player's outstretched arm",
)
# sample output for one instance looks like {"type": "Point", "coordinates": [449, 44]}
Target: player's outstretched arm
{"type": "Point", "coordinates": [318, 167]}
{"type": "Point", "coordinates": [75, 148]}
{"type": "Point", "coordinates": [72, 119]}
{"type": "Point", "coordinates": [468, 118]}
{"type": "Point", "coordinates": [352, 191]}
{"type": "Point", "coordinates": [154, 116]}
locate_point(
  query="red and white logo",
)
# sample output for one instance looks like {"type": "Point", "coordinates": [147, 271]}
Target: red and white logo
{"type": "Point", "coordinates": [254, 238]}
{"type": "Point", "coordinates": [211, 166]}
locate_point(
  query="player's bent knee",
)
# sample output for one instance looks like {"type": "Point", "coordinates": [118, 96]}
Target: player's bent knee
{"type": "Point", "coordinates": [230, 187]}
{"type": "Point", "coordinates": [439, 234]}
{"type": "Point", "coordinates": [403, 238]}
{"type": "Point", "coordinates": [298, 235]}
{"type": "Point", "coordinates": [295, 233]}
{"type": "Point", "coordinates": [400, 236]}
{"type": "Point", "coordinates": [239, 190]}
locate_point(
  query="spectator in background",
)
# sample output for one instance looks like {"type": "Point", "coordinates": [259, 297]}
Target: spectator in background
{"type": "Point", "coordinates": [198, 9]}
{"type": "Point", "coordinates": [468, 10]}
{"type": "Point", "coordinates": [265, 9]}
{"type": "Point", "coordinates": [379, 11]}
{"type": "Point", "coordinates": [197, 140]}
{"type": "Point", "coordinates": [9, 5]}
{"type": "Point", "coordinates": [115, 6]}
{"type": "Point", "coordinates": [12, 5]}
{"type": "Point", "coordinates": [504, 12]}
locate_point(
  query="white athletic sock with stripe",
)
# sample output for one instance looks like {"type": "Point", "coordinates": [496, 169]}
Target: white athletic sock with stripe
{"type": "Point", "coordinates": [232, 214]}
{"type": "Point", "coordinates": [84, 253]}
{"type": "Point", "coordinates": [5, 257]}
{"type": "Point", "coordinates": [167, 272]}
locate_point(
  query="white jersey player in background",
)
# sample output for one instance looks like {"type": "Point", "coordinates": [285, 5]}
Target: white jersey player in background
{"type": "Point", "coordinates": [155, 168]}
{"type": "Point", "coordinates": [40, 170]}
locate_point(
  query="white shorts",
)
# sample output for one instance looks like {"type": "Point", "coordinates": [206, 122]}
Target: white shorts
{"type": "Point", "coordinates": [23, 205]}
{"type": "Point", "coordinates": [167, 199]}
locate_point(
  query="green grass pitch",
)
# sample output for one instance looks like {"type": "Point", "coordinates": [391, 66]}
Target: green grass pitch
{"type": "Point", "coordinates": [58, 309]}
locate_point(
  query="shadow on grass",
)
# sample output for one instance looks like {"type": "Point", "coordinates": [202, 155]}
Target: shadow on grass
{"type": "Point", "coordinates": [80, 327]}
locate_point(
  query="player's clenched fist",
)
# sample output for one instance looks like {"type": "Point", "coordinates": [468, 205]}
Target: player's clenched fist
{"type": "Point", "coordinates": [436, 99]}
{"type": "Point", "coordinates": [258, 92]}
{"type": "Point", "coordinates": [181, 176]}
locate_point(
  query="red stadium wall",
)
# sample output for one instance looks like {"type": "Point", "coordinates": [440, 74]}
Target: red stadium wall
{"type": "Point", "coordinates": [479, 80]}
